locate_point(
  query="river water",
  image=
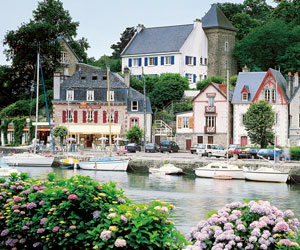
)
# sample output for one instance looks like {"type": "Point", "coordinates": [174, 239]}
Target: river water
{"type": "Point", "coordinates": [192, 197]}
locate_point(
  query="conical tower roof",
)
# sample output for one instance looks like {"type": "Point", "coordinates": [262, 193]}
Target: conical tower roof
{"type": "Point", "coordinates": [215, 18]}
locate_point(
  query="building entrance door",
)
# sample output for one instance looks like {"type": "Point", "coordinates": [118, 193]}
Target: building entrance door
{"type": "Point", "coordinates": [243, 141]}
{"type": "Point", "coordinates": [188, 144]}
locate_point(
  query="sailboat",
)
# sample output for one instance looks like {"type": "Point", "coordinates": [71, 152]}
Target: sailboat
{"type": "Point", "coordinates": [29, 158]}
{"type": "Point", "coordinates": [106, 163]}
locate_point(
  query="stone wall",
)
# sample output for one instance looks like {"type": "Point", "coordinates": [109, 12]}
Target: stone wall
{"type": "Point", "coordinates": [217, 54]}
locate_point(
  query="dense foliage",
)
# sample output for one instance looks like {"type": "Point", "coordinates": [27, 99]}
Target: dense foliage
{"type": "Point", "coordinates": [248, 225]}
{"type": "Point", "coordinates": [259, 120]}
{"type": "Point", "coordinates": [135, 134]}
{"type": "Point", "coordinates": [216, 79]}
{"type": "Point", "coordinates": [19, 125]}
{"type": "Point", "coordinates": [183, 106]}
{"type": "Point", "coordinates": [79, 214]}
{"type": "Point", "coordinates": [61, 132]}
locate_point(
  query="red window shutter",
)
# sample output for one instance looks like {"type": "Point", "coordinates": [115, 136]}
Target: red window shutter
{"type": "Point", "coordinates": [116, 117]}
{"type": "Point", "coordinates": [64, 116]}
{"type": "Point", "coordinates": [95, 116]}
{"type": "Point", "coordinates": [104, 116]}
{"type": "Point", "coordinates": [84, 116]}
{"type": "Point", "coordinates": [75, 116]}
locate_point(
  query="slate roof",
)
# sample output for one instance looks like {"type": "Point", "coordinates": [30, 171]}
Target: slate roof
{"type": "Point", "coordinates": [215, 18]}
{"type": "Point", "coordinates": [158, 40]}
{"type": "Point", "coordinates": [281, 81]}
{"type": "Point", "coordinates": [253, 80]}
{"type": "Point", "coordinates": [294, 94]}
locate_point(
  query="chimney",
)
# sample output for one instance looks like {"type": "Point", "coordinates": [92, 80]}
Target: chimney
{"type": "Point", "coordinates": [139, 28]}
{"type": "Point", "coordinates": [296, 80]}
{"type": "Point", "coordinates": [56, 86]}
{"type": "Point", "coordinates": [289, 79]}
{"type": "Point", "coordinates": [127, 76]}
{"type": "Point", "coordinates": [197, 22]}
{"type": "Point", "coordinates": [245, 69]}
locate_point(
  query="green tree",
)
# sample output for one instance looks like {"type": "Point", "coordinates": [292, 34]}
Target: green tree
{"type": "Point", "coordinates": [61, 132]}
{"type": "Point", "coordinates": [185, 105]}
{"type": "Point", "coordinates": [126, 36]}
{"type": "Point", "coordinates": [103, 61]}
{"type": "Point", "coordinates": [233, 80]}
{"type": "Point", "coordinates": [259, 120]}
{"type": "Point", "coordinates": [169, 87]}
{"type": "Point", "coordinates": [216, 79]}
{"type": "Point", "coordinates": [134, 134]}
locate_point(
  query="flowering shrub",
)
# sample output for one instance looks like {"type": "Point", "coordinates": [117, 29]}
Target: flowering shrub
{"type": "Point", "coordinates": [249, 225]}
{"type": "Point", "coordinates": [80, 213]}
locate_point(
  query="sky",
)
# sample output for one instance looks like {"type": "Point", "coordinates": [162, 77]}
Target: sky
{"type": "Point", "coordinates": [103, 21]}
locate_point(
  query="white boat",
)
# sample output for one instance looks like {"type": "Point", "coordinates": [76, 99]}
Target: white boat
{"type": "Point", "coordinates": [266, 174]}
{"type": "Point", "coordinates": [218, 169]}
{"type": "Point", "coordinates": [29, 159]}
{"type": "Point", "coordinates": [168, 169]}
{"type": "Point", "coordinates": [104, 164]}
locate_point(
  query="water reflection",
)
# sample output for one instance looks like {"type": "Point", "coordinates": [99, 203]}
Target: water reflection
{"type": "Point", "coordinates": [192, 197]}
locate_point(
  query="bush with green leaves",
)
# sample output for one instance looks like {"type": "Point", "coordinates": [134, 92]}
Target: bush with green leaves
{"type": "Point", "coordinates": [135, 134]}
{"type": "Point", "coordinates": [79, 213]}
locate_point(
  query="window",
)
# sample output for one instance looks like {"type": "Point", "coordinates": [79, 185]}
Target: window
{"type": "Point", "coordinates": [185, 122]}
{"type": "Point", "coordinates": [205, 77]}
{"type": "Point", "coordinates": [151, 61]}
{"type": "Point", "coordinates": [201, 60]}
{"type": "Point", "coordinates": [134, 122]}
{"type": "Point", "coordinates": [70, 95]}
{"type": "Point", "coordinates": [90, 95]}
{"type": "Point", "coordinates": [226, 46]}
{"type": "Point", "coordinates": [205, 61]}
{"type": "Point", "coordinates": [200, 78]}
{"type": "Point", "coordinates": [135, 62]}
{"type": "Point", "coordinates": [244, 119]}
{"type": "Point", "coordinates": [168, 60]}
{"type": "Point", "coordinates": [273, 95]}
{"type": "Point", "coordinates": [210, 121]}
{"type": "Point", "coordinates": [112, 96]}
{"type": "Point", "coordinates": [244, 96]}
{"type": "Point", "coordinates": [189, 60]}
{"type": "Point", "coordinates": [276, 118]}
{"type": "Point", "coordinates": [211, 101]}
{"type": "Point", "coordinates": [189, 77]}
{"type": "Point", "coordinates": [94, 78]}
{"type": "Point", "coordinates": [210, 139]}
{"type": "Point", "coordinates": [200, 139]}
{"type": "Point", "coordinates": [134, 106]}
{"type": "Point", "coordinates": [267, 95]}
{"type": "Point", "coordinates": [83, 77]}
{"type": "Point", "coordinates": [70, 116]}
{"type": "Point", "coordinates": [64, 57]}
{"type": "Point", "coordinates": [104, 78]}
{"type": "Point", "coordinates": [111, 116]}
{"type": "Point", "coordinates": [90, 116]}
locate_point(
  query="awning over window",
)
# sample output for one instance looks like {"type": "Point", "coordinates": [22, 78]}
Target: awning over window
{"type": "Point", "coordinates": [93, 129]}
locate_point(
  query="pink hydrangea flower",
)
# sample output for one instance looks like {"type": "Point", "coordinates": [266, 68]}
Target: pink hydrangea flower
{"type": "Point", "coordinates": [120, 243]}
{"type": "Point", "coordinates": [72, 197]}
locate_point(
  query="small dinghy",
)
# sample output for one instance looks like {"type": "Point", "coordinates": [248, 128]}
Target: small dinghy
{"type": "Point", "coordinates": [166, 169]}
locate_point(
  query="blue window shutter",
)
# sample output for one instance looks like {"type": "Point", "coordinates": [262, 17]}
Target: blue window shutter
{"type": "Point", "coordinates": [194, 60]}
{"type": "Point", "coordinates": [155, 61]}
{"type": "Point", "coordinates": [140, 61]}
{"type": "Point", "coordinates": [129, 62]}
{"type": "Point", "coordinates": [194, 78]}
{"type": "Point", "coordinates": [162, 60]}
{"type": "Point", "coordinates": [172, 60]}
{"type": "Point", "coordinates": [146, 61]}
{"type": "Point", "coordinates": [186, 60]}
{"type": "Point", "coordinates": [186, 75]}
{"type": "Point", "coordinates": [140, 77]}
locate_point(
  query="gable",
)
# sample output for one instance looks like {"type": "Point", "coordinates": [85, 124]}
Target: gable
{"type": "Point", "coordinates": [210, 89]}
{"type": "Point", "coordinates": [271, 82]}
{"type": "Point", "coordinates": [245, 89]}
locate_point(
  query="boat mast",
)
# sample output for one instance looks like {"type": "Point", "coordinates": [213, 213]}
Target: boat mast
{"type": "Point", "coordinates": [227, 109]}
{"type": "Point", "coordinates": [109, 115]}
{"type": "Point", "coordinates": [37, 98]}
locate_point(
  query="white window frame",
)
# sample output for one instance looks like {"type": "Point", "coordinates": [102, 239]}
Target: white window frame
{"type": "Point", "coordinates": [200, 78]}
{"type": "Point", "coordinates": [244, 96]}
{"type": "Point", "coordinates": [205, 61]}
{"type": "Point", "coordinates": [274, 95]}
{"type": "Point", "coordinates": [64, 57]}
{"type": "Point", "coordinates": [190, 77]}
{"type": "Point", "coordinates": [112, 95]}
{"type": "Point", "coordinates": [201, 60]}
{"type": "Point", "coordinates": [211, 100]}
{"type": "Point", "coordinates": [167, 60]}
{"type": "Point", "coordinates": [185, 122]}
{"type": "Point", "coordinates": [151, 61]}
{"type": "Point", "coordinates": [135, 62]}
{"type": "Point", "coordinates": [70, 95]}
{"type": "Point", "coordinates": [243, 119]}
{"type": "Point", "coordinates": [205, 77]}
{"type": "Point", "coordinates": [90, 115]}
{"type": "Point", "coordinates": [190, 60]}
{"type": "Point", "coordinates": [210, 121]}
{"type": "Point", "coordinates": [70, 116]}
{"type": "Point", "coordinates": [134, 122]}
{"type": "Point", "coordinates": [134, 107]}
{"type": "Point", "coordinates": [267, 95]}
{"type": "Point", "coordinates": [111, 116]}
{"type": "Point", "coordinates": [90, 95]}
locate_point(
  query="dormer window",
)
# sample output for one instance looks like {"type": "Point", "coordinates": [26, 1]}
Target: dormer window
{"type": "Point", "coordinates": [94, 78]}
{"type": "Point", "coordinates": [64, 57]}
{"type": "Point", "coordinates": [83, 77]}
{"type": "Point", "coordinates": [244, 96]}
{"type": "Point", "coordinates": [70, 95]}
{"type": "Point", "coordinates": [134, 106]}
{"type": "Point", "coordinates": [267, 95]}
{"type": "Point", "coordinates": [104, 78]}
{"type": "Point", "coordinates": [90, 95]}
{"type": "Point", "coordinates": [112, 96]}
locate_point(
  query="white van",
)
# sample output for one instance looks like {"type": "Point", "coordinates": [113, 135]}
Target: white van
{"type": "Point", "coordinates": [211, 150]}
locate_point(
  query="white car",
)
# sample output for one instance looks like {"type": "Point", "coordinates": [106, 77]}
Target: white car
{"type": "Point", "coordinates": [211, 150]}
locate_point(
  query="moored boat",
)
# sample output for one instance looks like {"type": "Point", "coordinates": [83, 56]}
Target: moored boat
{"type": "Point", "coordinates": [104, 164]}
{"type": "Point", "coordinates": [266, 174]}
{"type": "Point", "coordinates": [167, 169]}
{"type": "Point", "coordinates": [29, 159]}
{"type": "Point", "coordinates": [69, 163]}
{"type": "Point", "coordinates": [214, 169]}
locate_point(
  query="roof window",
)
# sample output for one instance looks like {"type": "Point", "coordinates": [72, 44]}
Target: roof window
{"type": "Point", "coordinates": [94, 78]}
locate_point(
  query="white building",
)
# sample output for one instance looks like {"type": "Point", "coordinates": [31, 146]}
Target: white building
{"type": "Point", "coordinates": [253, 87]}
{"type": "Point", "coordinates": [183, 49]}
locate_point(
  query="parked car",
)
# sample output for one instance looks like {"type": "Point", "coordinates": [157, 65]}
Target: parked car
{"type": "Point", "coordinates": [245, 153]}
{"type": "Point", "coordinates": [204, 149]}
{"type": "Point", "coordinates": [168, 146]}
{"type": "Point", "coordinates": [152, 147]}
{"type": "Point", "coordinates": [133, 147]}
{"type": "Point", "coordinates": [233, 151]}
{"type": "Point", "coordinates": [218, 151]}
{"type": "Point", "coordinates": [268, 153]}
{"type": "Point", "coordinates": [193, 149]}
{"type": "Point", "coordinates": [253, 153]}
{"type": "Point", "coordinates": [234, 146]}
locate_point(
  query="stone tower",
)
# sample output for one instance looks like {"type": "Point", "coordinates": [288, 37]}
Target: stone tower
{"type": "Point", "coordinates": [221, 38]}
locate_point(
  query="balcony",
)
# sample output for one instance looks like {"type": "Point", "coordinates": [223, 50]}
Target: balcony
{"type": "Point", "coordinates": [210, 109]}
{"type": "Point", "coordinates": [209, 130]}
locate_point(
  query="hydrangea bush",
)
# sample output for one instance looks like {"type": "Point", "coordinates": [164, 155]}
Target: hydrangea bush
{"type": "Point", "coordinates": [248, 225]}
{"type": "Point", "coordinates": [80, 213]}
